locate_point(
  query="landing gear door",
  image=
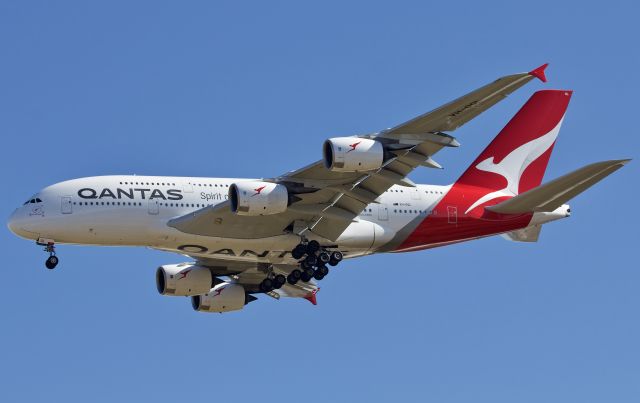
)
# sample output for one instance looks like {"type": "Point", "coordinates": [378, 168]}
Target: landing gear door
{"type": "Point", "coordinates": [383, 212]}
{"type": "Point", "coordinates": [66, 207]}
{"type": "Point", "coordinates": [154, 207]}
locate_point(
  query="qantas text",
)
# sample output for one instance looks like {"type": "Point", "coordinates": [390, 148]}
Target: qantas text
{"type": "Point", "coordinates": [230, 252]}
{"type": "Point", "coordinates": [88, 193]}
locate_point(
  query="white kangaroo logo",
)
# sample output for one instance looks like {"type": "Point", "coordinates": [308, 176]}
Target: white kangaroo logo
{"type": "Point", "coordinates": [513, 165]}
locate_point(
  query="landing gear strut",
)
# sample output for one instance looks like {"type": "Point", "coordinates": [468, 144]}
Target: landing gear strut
{"type": "Point", "coordinates": [52, 260]}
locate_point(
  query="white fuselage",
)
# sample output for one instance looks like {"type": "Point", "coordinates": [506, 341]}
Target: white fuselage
{"type": "Point", "coordinates": [134, 211]}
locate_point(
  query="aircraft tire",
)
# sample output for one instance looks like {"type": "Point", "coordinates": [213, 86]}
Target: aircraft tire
{"type": "Point", "coordinates": [299, 251]}
{"type": "Point", "coordinates": [279, 281]}
{"type": "Point", "coordinates": [51, 262]}
{"type": "Point", "coordinates": [313, 247]}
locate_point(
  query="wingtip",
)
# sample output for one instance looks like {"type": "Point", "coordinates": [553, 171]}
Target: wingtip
{"type": "Point", "coordinates": [311, 297]}
{"type": "Point", "coordinates": [539, 73]}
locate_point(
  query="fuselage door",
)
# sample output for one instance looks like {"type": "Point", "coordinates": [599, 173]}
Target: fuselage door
{"type": "Point", "coordinates": [383, 212]}
{"type": "Point", "coordinates": [187, 187]}
{"type": "Point", "coordinates": [154, 207]}
{"type": "Point", "coordinates": [452, 214]}
{"type": "Point", "coordinates": [66, 207]}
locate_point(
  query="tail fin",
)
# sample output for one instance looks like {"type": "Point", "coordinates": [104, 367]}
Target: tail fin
{"type": "Point", "coordinates": [516, 159]}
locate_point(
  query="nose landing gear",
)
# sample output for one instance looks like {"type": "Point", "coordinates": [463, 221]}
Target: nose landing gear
{"type": "Point", "coordinates": [52, 260]}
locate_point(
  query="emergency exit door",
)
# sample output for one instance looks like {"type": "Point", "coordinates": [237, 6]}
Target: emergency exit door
{"type": "Point", "coordinates": [66, 207]}
{"type": "Point", "coordinates": [154, 207]}
{"type": "Point", "coordinates": [383, 212]}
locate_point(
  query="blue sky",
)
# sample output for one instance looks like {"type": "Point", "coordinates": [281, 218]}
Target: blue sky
{"type": "Point", "coordinates": [241, 89]}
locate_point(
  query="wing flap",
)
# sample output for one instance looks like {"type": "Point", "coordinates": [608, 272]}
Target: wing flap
{"type": "Point", "coordinates": [554, 194]}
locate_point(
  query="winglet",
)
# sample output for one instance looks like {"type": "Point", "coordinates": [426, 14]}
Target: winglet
{"type": "Point", "coordinates": [311, 297]}
{"type": "Point", "coordinates": [539, 73]}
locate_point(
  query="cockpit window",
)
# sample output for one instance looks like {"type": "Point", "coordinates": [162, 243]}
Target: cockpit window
{"type": "Point", "coordinates": [33, 200]}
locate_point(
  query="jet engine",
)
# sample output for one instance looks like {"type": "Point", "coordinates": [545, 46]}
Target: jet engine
{"type": "Point", "coordinates": [352, 154]}
{"type": "Point", "coordinates": [183, 279]}
{"type": "Point", "coordinates": [224, 297]}
{"type": "Point", "coordinates": [253, 198]}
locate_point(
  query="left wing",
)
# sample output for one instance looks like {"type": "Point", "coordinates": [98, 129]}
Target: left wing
{"type": "Point", "coordinates": [249, 275]}
{"type": "Point", "coordinates": [327, 202]}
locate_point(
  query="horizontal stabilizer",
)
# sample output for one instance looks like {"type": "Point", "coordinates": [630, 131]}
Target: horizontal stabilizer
{"type": "Point", "coordinates": [552, 195]}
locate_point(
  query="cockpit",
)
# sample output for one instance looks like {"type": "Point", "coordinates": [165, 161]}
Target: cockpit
{"type": "Point", "coordinates": [33, 199]}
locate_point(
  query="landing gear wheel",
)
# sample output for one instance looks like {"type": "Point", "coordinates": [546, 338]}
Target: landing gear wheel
{"type": "Point", "coordinates": [318, 275]}
{"type": "Point", "coordinates": [299, 251]}
{"type": "Point", "coordinates": [51, 262]}
{"type": "Point", "coordinates": [307, 274]}
{"type": "Point", "coordinates": [324, 257]}
{"type": "Point", "coordinates": [266, 285]}
{"type": "Point", "coordinates": [324, 270]}
{"type": "Point", "coordinates": [294, 277]}
{"type": "Point", "coordinates": [279, 281]}
{"type": "Point", "coordinates": [313, 247]}
{"type": "Point", "coordinates": [310, 261]}
{"type": "Point", "coordinates": [336, 257]}
{"type": "Point", "coordinates": [320, 272]}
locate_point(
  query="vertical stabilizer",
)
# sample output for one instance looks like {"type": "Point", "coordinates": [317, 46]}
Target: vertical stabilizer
{"type": "Point", "coordinates": [515, 161]}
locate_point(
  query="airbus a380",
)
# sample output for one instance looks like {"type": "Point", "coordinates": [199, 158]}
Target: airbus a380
{"type": "Point", "coordinates": [279, 236]}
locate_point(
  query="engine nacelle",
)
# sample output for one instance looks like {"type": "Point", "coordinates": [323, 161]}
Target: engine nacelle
{"type": "Point", "coordinates": [224, 297]}
{"type": "Point", "coordinates": [253, 198]}
{"type": "Point", "coordinates": [352, 154]}
{"type": "Point", "coordinates": [183, 279]}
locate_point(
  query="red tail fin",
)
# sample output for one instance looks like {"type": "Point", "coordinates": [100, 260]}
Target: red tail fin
{"type": "Point", "coordinates": [516, 159]}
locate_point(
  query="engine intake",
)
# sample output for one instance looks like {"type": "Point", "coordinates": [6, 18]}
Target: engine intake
{"type": "Point", "coordinates": [183, 279]}
{"type": "Point", "coordinates": [224, 297]}
{"type": "Point", "coordinates": [352, 154]}
{"type": "Point", "coordinates": [253, 198]}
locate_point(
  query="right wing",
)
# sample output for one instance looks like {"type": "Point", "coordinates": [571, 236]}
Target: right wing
{"type": "Point", "coordinates": [327, 202]}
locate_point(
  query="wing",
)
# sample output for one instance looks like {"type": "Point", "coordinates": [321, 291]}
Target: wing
{"type": "Point", "coordinates": [249, 275]}
{"type": "Point", "coordinates": [326, 202]}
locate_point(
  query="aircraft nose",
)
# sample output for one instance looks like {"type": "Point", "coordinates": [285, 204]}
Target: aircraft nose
{"type": "Point", "coordinates": [16, 224]}
{"type": "Point", "coordinates": [13, 222]}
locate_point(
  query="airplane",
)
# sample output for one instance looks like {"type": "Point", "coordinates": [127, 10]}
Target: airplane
{"type": "Point", "coordinates": [279, 236]}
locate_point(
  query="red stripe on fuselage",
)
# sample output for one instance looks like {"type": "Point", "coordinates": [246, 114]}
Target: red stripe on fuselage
{"type": "Point", "coordinates": [448, 222]}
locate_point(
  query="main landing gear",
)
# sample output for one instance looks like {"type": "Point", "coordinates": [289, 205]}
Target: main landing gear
{"type": "Point", "coordinates": [313, 260]}
{"type": "Point", "coordinates": [273, 282]}
{"type": "Point", "coordinates": [52, 260]}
